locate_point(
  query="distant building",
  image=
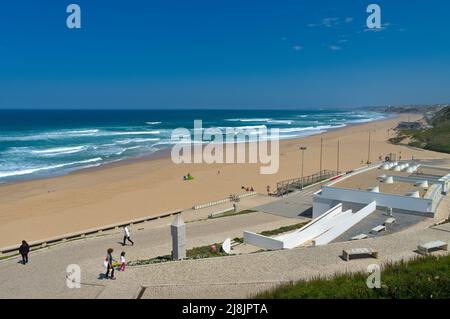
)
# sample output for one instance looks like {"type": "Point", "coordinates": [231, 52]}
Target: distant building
{"type": "Point", "coordinates": [410, 125]}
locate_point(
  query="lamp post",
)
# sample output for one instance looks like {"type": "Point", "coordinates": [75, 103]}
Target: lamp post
{"type": "Point", "coordinates": [321, 147]}
{"type": "Point", "coordinates": [337, 156]}
{"type": "Point", "coordinates": [303, 149]}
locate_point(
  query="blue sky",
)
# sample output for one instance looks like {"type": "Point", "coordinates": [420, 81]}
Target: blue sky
{"type": "Point", "coordinates": [223, 54]}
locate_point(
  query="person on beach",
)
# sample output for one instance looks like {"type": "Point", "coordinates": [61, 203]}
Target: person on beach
{"type": "Point", "coordinates": [24, 249]}
{"type": "Point", "coordinates": [122, 261]}
{"type": "Point", "coordinates": [109, 264]}
{"type": "Point", "coordinates": [126, 236]}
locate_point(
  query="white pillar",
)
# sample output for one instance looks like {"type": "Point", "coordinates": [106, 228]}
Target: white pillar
{"type": "Point", "coordinates": [178, 231]}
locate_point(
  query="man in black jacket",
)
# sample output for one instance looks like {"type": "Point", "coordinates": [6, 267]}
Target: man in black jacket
{"type": "Point", "coordinates": [24, 249]}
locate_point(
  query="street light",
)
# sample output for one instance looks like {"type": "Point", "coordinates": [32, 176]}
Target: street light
{"type": "Point", "coordinates": [303, 149]}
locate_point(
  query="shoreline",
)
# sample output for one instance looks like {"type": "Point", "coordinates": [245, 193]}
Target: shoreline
{"type": "Point", "coordinates": [44, 208]}
{"type": "Point", "coordinates": [165, 154]}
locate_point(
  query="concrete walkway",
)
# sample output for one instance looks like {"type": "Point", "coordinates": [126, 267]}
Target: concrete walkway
{"type": "Point", "coordinates": [44, 276]}
{"type": "Point", "coordinates": [224, 277]}
{"type": "Point", "coordinates": [245, 275]}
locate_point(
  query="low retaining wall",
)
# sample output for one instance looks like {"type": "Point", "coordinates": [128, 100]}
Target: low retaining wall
{"type": "Point", "coordinates": [220, 212]}
{"type": "Point", "coordinates": [262, 241]}
{"type": "Point", "coordinates": [221, 201]}
{"type": "Point", "coordinates": [45, 242]}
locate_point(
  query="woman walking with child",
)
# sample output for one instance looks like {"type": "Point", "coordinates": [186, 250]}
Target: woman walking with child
{"type": "Point", "coordinates": [109, 264]}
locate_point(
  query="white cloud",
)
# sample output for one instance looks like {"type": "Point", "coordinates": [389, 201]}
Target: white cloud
{"type": "Point", "coordinates": [329, 22]}
{"type": "Point", "coordinates": [297, 47]}
{"type": "Point", "coordinates": [335, 48]}
{"type": "Point", "coordinates": [349, 19]}
{"type": "Point", "coordinates": [384, 26]}
{"type": "Point", "coordinates": [326, 22]}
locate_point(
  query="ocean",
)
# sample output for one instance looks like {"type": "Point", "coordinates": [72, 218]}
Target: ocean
{"type": "Point", "coordinates": [42, 143]}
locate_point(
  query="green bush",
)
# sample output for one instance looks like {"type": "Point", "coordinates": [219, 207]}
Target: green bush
{"type": "Point", "coordinates": [422, 278]}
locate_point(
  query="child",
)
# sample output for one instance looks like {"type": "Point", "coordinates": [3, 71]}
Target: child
{"type": "Point", "coordinates": [122, 261]}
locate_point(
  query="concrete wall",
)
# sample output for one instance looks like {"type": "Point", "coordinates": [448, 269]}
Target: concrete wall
{"type": "Point", "coordinates": [262, 241]}
{"type": "Point", "coordinates": [355, 172]}
{"type": "Point", "coordinates": [304, 234]}
{"type": "Point", "coordinates": [314, 228]}
{"type": "Point", "coordinates": [434, 194]}
{"type": "Point", "coordinates": [383, 200]}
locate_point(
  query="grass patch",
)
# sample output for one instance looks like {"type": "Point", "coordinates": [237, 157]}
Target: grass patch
{"type": "Point", "coordinates": [421, 278]}
{"type": "Point", "coordinates": [282, 230]}
{"type": "Point", "coordinates": [231, 213]}
{"type": "Point", "coordinates": [205, 251]}
{"type": "Point", "coordinates": [194, 253]}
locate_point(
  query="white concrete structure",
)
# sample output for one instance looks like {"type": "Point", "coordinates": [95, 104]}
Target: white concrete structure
{"type": "Point", "coordinates": [422, 184]}
{"type": "Point", "coordinates": [343, 224]}
{"type": "Point", "coordinates": [414, 194]}
{"type": "Point", "coordinates": [330, 194]}
{"type": "Point", "coordinates": [178, 232]}
{"type": "Point", "coordinates": [226, 246]}
{"type": "Point", "coordinates": [320, 231]}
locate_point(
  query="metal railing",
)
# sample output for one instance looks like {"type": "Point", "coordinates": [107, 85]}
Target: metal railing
{"type": "Point", "coordinates": [295, 184]}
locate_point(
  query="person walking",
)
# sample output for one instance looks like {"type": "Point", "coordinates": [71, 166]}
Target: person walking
{"type": "Point", "coordinates": [126, 236]}
{"type": "Point", "coordinates": [24, 249]}
{"type": "Point", "coordinates": [109, 264]}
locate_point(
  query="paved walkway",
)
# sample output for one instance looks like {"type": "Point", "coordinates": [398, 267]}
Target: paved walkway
{"type": "Point", "coordinates": [225, 277]}
{"type": "Point", "coordinates": [44, 276]}
{"type": "Point", "coordinates": [294, 205]}
{"type": "Point", "coordinates": [244, 275]}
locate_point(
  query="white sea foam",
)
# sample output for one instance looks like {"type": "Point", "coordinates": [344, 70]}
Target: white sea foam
{"type": "Point", "coordinates": [249, 120]}
{"type": "Point", "coordinates": [72, 134]}
{"type": "Point", "coordinates": [130, 133]}
{"type": "Point", "coordinates": [59, 150]}
{"type": "Point", "coordinates": [289, 122]}
{"type": "Point", "coordinates": [136, 140]}
{"type": "Point", "coordinates": [152, 123]}
{"type": "Point", "coordinates": [45, 168]}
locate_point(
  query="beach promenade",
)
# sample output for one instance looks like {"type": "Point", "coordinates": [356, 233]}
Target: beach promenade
{"type": "Point", "coordinates": [222, 277]}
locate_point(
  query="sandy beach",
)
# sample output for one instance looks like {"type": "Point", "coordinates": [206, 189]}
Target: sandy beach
{"type": "Point", "coordinates": [39, 209]}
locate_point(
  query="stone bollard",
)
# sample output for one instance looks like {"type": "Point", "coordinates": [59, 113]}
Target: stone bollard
{"type": "Point", "coordinates": [178, 231]}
